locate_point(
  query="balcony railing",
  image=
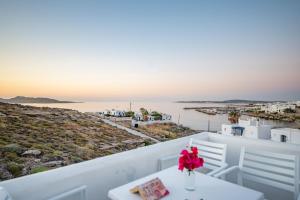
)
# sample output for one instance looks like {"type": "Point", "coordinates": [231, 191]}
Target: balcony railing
{"type": "Point", "coordinates": [100, 175]}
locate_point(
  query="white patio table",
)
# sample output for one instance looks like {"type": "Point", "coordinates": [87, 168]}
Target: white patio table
{"type": "Point", "coordinates": [207, 188]}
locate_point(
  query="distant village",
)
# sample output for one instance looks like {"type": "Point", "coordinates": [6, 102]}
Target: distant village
{"type": "Point", "coordinates": [143, 116]}
{"type": "Point", "coordinates": [255, 129]}
{"type": "Point", "coordinates": [282, 111]}
{"type": "Point", "coordinates": [288, 107]}
{"type": "Point", "coordinates": [250, 128]}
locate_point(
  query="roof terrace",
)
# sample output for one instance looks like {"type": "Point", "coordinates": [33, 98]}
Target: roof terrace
{"type": "Point", "coordinates": [100, 175]}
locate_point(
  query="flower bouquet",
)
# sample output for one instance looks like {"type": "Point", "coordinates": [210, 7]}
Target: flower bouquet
{"type": "Point", "coordinates": [189, 161]}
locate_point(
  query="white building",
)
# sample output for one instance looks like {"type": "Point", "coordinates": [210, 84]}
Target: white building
{"type": "Point", "coordinates": [166, 117]}
{"type": "Point", "coordinates": [138, 116]}
{"type": "Point", "coordinates": [251, 128]}
{"type": "Point", "coordinates": [278, 107]}
{"type": "Point", "coordinates": [150, 118]}
{"type": "Point", "coordinates": [106, 112]}
{"type": "Point", "coordinates": [117, 113]}
{"type": "Point", "coordinates": [287, 135]}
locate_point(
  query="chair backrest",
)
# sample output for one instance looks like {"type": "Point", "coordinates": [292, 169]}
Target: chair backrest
{"type": "Point", "coordinates": [214, 154]}
{"type": "Point", "coordinates": [74, 194]}
{"type": "Point", "coordinates": [274, 169]}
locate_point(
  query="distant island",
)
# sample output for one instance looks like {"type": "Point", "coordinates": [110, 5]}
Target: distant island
{"type": "Point", "coordinates": [21, 99]}
{"type": "Point", "coordinates": [231, 101]}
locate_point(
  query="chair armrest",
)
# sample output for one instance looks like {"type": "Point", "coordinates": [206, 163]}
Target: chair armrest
{"type": "Point", "coordinates": [223, 167]}
{"type": "Point", "coordinates": [226, 171]}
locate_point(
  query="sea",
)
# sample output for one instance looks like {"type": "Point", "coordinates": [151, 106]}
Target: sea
{"type": "Point", "coordinates": [189, 118]}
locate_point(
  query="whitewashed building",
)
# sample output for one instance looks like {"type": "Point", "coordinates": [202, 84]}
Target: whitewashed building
{"type": "Point", "coordinates": [286, 135]}
{"type": "Point", "coordinates": [117, 113]}
{"type": "Point", "coordinates": [166, 117]}
{"type": "Point", "coordinates": [250, 128]}
{"type": "Point", "coordinates": [138, 116]}
{"type": "Point", "coordinates": [106, 112]}
{"type": "Point", "coordinates": [278, 107]}
{"type": "Point", "coordinates": [150, 118]}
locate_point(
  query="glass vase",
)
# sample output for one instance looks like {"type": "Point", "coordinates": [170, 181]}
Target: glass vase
{"type": "Point", "coordinates": [190, 180]}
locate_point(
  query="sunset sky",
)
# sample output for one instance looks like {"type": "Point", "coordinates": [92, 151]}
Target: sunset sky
{"type": "Point", "coordinates": [157, 49]}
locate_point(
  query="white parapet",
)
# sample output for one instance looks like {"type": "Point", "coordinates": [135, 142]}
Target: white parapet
{"type": "Point", "coordinates": [102, 174]}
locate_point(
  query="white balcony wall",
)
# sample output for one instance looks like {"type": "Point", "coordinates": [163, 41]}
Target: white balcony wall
{"type": "Point", "coordinates": [102, 174]}
{"type": "Point", "coordinates": [99, 175]}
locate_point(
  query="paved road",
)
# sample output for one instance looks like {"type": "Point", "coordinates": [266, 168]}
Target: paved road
{"type": "Point", "coordinates": [131, 131]}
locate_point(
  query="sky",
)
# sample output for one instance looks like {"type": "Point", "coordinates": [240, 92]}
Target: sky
{"type": "Point", "coordinates": [158, 49]}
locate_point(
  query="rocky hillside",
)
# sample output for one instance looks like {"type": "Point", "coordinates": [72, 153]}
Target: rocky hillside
{"type": "Point", "coordinates": [161, 131]}
{"type": "Point", "coordinates": [36, 139]}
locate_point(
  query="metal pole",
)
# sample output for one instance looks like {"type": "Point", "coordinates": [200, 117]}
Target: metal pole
{"type": "Point", "coordinates": [208, 125]}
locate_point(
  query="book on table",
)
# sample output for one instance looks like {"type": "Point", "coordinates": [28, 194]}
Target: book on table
{"type": "Point", "coordinates": [151, 190]}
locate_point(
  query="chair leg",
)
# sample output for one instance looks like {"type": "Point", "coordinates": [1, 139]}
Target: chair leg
{"type": "Point", "coordinates": [240, 178]}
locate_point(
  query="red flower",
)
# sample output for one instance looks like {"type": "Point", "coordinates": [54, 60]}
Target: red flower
{"type": "Point", "coordinates": [195, 150]}
{"type": "Point", "coordinates": [190, 160]}
{"type": "Point", "coordinates": [184, 152]}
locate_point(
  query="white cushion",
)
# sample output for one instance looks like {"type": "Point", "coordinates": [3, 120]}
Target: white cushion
{"type": "Point", "coordinates": [4, 194]}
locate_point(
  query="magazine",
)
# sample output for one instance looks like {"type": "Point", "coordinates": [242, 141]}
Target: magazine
{"type": "Point", "coordinates": [151, 190]}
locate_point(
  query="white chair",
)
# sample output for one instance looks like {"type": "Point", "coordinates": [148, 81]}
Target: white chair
{"type": "Point", "coordinates": [214, 155]}
{"type": "Point", "coordinates": [74, 194]}
{"type": "Point", "coordinates": [273, 169]}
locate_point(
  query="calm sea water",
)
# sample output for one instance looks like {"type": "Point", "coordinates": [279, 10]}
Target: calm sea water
{"type": "Point", "coordinates": [189, 118]}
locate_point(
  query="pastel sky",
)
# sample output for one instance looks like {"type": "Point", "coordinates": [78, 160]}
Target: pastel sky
{"type": "Point", "coordinates": [158, 49]}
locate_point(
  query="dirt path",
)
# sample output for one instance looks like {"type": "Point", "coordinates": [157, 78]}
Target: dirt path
{"type": "Point", "coordinates": [134, 132]}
